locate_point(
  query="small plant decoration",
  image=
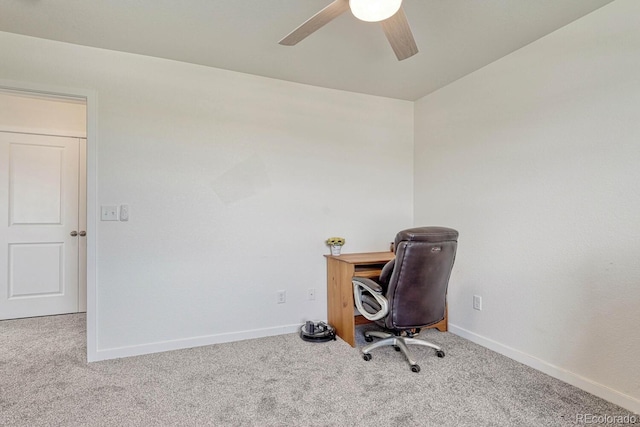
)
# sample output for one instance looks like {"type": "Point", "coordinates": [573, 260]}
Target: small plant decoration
{"type": "Point", "coordinates": [335, 243]}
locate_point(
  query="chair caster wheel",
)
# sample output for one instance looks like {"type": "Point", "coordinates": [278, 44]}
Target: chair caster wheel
{"type": "Point", "coordinates": [367, 338]}
{"type": "Point", "coordinates": [396, 348]}
{"type": "Point", "coordinates": [366, 356]}
{"type": "Point", "coordinates": [440, 353]}
{"type": "Point", "coordinates": [415, 368]}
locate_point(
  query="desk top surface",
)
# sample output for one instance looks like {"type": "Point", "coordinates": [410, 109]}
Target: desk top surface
{"type": "Point", "coordinates": [363, 257]}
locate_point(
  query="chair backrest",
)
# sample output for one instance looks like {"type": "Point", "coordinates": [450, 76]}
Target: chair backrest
{"type": "Point", "coordinates": [417, 288]}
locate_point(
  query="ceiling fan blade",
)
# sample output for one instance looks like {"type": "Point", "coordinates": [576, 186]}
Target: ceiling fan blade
{"type": "Point", "coordinates": [399, 35]}
{"type": "Point", "coordinates": [317, 21]}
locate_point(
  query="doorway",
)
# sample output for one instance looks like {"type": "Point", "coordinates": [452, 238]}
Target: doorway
{"type": "Point", "coordinates": [43, 194]}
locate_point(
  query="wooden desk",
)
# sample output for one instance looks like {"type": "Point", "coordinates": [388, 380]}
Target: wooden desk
{"type": "Point", "coordinates": [340, 304]}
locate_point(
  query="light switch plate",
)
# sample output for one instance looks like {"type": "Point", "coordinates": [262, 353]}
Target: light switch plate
{"type": "Point", "coordinates": [108, 213]}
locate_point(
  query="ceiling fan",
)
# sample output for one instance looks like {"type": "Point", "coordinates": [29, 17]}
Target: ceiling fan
{"type": "Point", "coordinates": [388, 12]}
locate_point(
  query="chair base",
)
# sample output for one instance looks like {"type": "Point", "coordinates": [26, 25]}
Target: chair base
{"type": "Point", "coordinates": [400, 343]}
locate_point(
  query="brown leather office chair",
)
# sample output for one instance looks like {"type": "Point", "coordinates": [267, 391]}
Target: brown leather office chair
{"type": "Point", "coordinates": [411, 291]}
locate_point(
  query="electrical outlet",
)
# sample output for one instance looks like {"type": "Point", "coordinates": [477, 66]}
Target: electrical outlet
{"type": "Point", "coordinates": [311, 294]}
{"type": "Point", "coordinates": [282, 297]}
{"type": "Point", "coordinates": [124, 212]}
{"type": "Point", "coordinates": [477, 302]}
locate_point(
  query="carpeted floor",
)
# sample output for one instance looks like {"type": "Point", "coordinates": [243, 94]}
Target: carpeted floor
{"type": "Point", "coordinates": [275, 381]}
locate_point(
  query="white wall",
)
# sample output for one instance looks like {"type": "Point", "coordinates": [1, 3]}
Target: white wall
{"type": "Point", "coordinates": [233, 182]}
{"type": "Point", "coordinates": [48, 116]}
{"type": "Point", "coordinates": [534, 159]}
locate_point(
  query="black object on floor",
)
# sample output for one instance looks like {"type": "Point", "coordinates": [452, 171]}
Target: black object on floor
{"type": "Point", "coordinates": [317, 332]}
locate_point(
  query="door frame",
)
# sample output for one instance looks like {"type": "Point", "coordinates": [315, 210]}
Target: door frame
{"type": "Point", "coordinates": [91, 98]}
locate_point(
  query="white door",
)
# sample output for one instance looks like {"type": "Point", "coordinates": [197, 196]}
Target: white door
{"type": "Point", "coordinates": [39, 236]}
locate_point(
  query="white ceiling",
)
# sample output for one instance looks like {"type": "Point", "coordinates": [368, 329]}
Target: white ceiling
{"type": "Point", "coordinates": [455, 37]}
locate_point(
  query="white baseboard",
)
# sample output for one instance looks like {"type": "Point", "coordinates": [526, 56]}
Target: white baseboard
{"type": "Point", "coordinates": [157, 347]}
{"type": "Point", "coordinates": [585, 384]}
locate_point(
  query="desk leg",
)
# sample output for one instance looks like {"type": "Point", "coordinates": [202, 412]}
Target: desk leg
{"type": "Point", "coordinates": [340, 299]}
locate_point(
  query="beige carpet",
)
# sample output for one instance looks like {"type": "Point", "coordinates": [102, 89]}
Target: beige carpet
{"type": "Point", "coordinates": [276, 381]}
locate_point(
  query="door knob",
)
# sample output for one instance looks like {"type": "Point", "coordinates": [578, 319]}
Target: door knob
{"type": "Point", "coordinates": [74, 233]}
{"type": "Point", "coordinates": [83, 233]}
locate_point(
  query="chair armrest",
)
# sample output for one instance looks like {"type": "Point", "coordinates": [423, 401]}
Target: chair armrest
{"type": "Point", "coordinates": [368, 284]}
{"type": "Point", "coordinates": [362, 284]}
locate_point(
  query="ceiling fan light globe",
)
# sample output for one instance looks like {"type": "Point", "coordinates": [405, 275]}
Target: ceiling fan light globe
{"type": "Point", "coordinates": [374, 10]}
